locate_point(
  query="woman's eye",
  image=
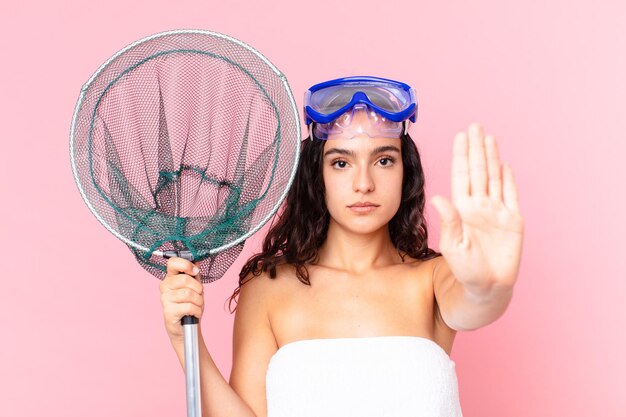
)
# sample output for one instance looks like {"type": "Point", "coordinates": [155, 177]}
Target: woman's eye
{"type": "Point", "coordinates": [388, 161]}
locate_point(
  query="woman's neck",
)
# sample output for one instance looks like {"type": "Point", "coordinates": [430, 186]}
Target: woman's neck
{"type": "Point", "coordinates": [357, 253]}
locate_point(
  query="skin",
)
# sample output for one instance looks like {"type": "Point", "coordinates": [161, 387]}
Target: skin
{"type": "Point", "coordinates": [360, 285]}
{"type": "Point", "coordinates": [481, 234]}
{"type": "Point", "coordinates": [360, 242]}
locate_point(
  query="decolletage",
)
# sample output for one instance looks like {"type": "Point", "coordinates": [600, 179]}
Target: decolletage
{"type": "Point", "coordinates": [381, 376]}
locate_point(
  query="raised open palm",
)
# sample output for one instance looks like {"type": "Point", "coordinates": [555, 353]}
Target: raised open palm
{"type": "Point", "coordinates": [482, 228]}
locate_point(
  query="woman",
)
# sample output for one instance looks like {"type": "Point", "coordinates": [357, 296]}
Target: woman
{"type": "Point", "coordinates": [346, 311]}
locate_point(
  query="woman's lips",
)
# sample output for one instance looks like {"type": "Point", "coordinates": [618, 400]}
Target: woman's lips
{"type": "Point", "coordinates": [363, 208]}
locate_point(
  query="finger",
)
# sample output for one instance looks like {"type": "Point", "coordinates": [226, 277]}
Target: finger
{"type": "Point", "coordinates": [177, 265]}
{"type": "Point", "coordinates": [460, 172]}
{"type": "Point", "coordinates": [185, 295]}
{"type": "Point", "coordinates": [451, 233]}
{"type": "Point", "coordinates": [493, 167]}
{"type": "Point", "coordinates": [186, 309]}
{"type": "Point", "coordinates": [510, 189]}
{"type": "Point", "coordinates": [477, 161]}
{"type": "Point", "coordinates": [174, 282]}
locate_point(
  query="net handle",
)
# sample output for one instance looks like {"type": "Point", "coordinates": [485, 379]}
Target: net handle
{"type": "Point", "coordinates": [192, 357]}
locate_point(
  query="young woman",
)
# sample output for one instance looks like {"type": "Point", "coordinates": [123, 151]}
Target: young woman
{"type": "Point", "coordinates": [347, 311]}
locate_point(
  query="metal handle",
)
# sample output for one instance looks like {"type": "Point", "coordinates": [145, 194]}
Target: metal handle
{"type": "Point", "coordinates": [192, 367]}
{"type": "Point", "coordinates": [192, 358]}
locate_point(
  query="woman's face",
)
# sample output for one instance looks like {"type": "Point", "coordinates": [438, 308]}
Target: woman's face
{"type": "Point", "coordinates": [362, 169]}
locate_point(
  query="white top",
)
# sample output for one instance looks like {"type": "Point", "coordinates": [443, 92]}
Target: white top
{"type": "Point", "coordinates": [379, 376]}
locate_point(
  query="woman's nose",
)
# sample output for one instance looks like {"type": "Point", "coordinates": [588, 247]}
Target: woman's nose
{"type": "Point", "coordinates": [363, 181]}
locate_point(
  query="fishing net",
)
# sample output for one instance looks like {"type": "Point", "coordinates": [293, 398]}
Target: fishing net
{"type": "Point", "coordinates": [185, 142]}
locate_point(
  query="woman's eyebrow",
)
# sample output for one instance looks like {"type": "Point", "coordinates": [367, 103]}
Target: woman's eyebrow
{"type": "Point", "coordinates": [386, 148]}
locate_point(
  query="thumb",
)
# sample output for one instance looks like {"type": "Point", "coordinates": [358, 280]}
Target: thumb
{"type": "Point", "coordinates": [451, 226]}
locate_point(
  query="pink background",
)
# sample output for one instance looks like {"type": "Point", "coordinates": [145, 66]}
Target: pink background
{"type": "Point", "coordinates": [81, 322]}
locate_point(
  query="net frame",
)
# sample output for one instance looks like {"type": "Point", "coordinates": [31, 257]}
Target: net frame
{"type": "Point", "coordinates": [106, 64]}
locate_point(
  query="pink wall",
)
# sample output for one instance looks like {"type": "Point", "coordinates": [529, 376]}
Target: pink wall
{"type": "Point", "coordinates": [80, 321]}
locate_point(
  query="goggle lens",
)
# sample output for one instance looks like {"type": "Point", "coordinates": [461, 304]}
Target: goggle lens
{"type": "Point", "coordinates": [388, 97]}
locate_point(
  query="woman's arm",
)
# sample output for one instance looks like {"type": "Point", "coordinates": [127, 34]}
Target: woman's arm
{"type": "Point", "coordinates": [254, 342]}
{"type": "Point", "coordinates": [481, 235]}
{"type": "Point", "coordinates": [463, 310]}
{"type": "Point", "coordinates": [219, 399]}
{"type": "Point", "coordinates": [181, 295]}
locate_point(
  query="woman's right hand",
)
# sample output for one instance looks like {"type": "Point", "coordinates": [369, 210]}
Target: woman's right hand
{"type": "Point", "coordinates": [181, 295]}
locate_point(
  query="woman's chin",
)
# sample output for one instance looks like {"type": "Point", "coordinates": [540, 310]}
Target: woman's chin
{"type": "Point", "coordinates": [365, 225]}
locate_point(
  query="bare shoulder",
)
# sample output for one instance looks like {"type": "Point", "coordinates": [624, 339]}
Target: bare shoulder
{"type": "Point", "coordinates": [428, 268]}
{"type": "Point", "coordinates": [424, 268]}
{"type": "Point", "coordinates": [421, 269]}
{"type": "Point", "coordinates": [253, 342]}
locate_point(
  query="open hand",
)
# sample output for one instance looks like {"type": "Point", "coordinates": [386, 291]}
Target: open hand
{"type": "Point", "coordinates": [482, 228]}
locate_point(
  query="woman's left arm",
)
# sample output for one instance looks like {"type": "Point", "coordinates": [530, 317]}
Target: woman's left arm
{"type": "Point", "coordinates": [481, 235]}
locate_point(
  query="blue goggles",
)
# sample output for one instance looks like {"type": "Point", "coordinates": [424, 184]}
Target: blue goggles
{"type": "Point", "coordinates": [394, 100]}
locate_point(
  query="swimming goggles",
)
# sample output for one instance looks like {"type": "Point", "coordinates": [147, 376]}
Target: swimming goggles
{"type": "Point", "coordinates": [333, 104]}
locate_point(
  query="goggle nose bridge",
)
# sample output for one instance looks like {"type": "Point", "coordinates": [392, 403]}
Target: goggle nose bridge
{"type": "Point", "coordinates": [368, 109]}
{"type": "Point", "coordinates": [362, 100]}
{"type": "Point", "coordinates": [360, 97]}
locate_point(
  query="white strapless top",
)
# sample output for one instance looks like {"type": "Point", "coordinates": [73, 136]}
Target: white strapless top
{"type": "Point", "coordinates": [379, 376]}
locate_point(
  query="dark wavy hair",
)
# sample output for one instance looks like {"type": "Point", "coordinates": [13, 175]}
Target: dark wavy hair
{"type": "Point", "coordinates": [302, 224]}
